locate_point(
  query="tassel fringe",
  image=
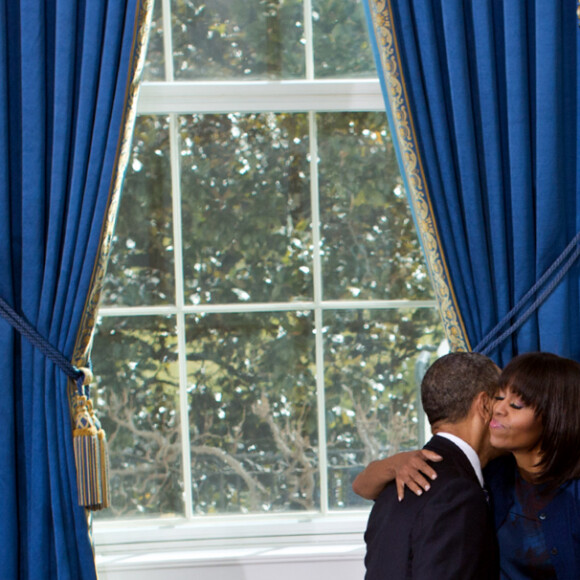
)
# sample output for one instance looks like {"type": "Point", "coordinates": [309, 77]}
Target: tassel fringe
{"type": "Point", "coordinates": [91, 456]}
{"type": "Point", "coordinates": [103, 461]}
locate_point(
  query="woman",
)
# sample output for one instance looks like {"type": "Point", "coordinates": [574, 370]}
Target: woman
{"type": "Point", "coordinates": [535, 493]}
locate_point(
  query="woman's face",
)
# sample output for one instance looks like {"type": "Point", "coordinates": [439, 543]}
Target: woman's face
{"type": "Point", "coordinates": [514, 427]}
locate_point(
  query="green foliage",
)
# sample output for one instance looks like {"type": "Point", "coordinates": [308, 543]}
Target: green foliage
{"type": "Point", "coordinates": [245, 402]}
{"type": "Point", "coordinates": [370, 246]}
{"type": "Point", "coordinates": [341, 42]}
{"type": "Point", "coordinates": [246, 208]}
{"type": "Point", "coordinates": [234, 39]}
{"type": "Point", "coordinates": [137, 401]}
{"type": "Point", "coordinates": [141, 268]}
{"type": "Point", "coordinates": [155, 67]}
{"type": "Point", "coordinates": [261, 39]}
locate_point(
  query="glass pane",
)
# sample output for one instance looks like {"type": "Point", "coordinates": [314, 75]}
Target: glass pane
{"type": "Point", "coordinates": [369, 242]}
{"type": "Point", "coordinates": [253, 419]}
{"type": "Point", "coordinates": [341, 40]}
{"type": "Point", "coordinates": [154, 69]}
{"type": "Point", "coordinates": [375, 361]}
{"type": "Point", "coordinates": [246, 208]}
{"type": "Point", "coordinates": [140, 270]}
{"type": "Point", "coordinates": [135, 364]}
{"type": "Point", "coordinates": [225, 39]}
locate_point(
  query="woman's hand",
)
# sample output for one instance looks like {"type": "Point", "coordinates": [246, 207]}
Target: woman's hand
{"type": "Point", "coordinates": [413, 471]}
{"type": "Point", "coordinates": [409, 468]}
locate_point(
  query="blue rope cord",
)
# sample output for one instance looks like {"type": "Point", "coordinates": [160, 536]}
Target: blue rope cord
{"type": "Point", "coordinates": [528, 294]}
{"type": "Point", "coordinates": [36, 339]}
{"type": "Point", "coordinates": [483, 346]}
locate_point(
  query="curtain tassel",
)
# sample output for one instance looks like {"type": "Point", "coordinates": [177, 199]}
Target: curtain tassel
{"type": "Point", "coordinates": [91, 451]}
{"type": "Point", "coordinates": [87, 455]}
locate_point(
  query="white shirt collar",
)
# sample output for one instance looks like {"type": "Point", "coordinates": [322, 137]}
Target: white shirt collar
{"type": "Point", "coordinates": [469, 453]}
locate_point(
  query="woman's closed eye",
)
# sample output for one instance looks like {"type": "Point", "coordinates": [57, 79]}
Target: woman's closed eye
{"type": "Point", "coordinates": [514, 403]}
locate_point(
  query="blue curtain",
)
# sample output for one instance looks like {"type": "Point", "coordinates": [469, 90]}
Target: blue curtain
{"type": "Point", "coordinates": [67, 79]}
{"type": "Point", "coordinates": [483, 98]}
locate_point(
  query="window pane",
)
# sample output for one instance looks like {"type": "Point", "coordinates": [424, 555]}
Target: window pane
{"type": "Point", "coordinates": [140, 270]}
{"type": "Point", "coordinates": [370, 246]}
{"type": "Point", "coordinates": [225, 39]}
{"type": "Point", "coordinates": [134, 360]}
{"type": "Point", "coordinates": [253, 412]}
{"type": "Point", "coordinates": [341, 40]}
{"type": "Point", "coordinates": [155, 61]}
{"type": "Point", "coordinates": [246, 208]}
{"type": "Point", "coordinates": [374, 365]}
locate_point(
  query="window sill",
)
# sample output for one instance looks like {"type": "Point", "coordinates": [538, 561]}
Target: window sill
{"type": "Point", "coordinates": [122, 535]}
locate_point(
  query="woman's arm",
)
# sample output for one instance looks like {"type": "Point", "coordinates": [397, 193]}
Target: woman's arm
{"type": "Point", "coordinates": [407, 468]}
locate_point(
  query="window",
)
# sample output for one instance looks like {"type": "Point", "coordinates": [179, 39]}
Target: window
{"type": "Point", "coordinates": [267, 311]}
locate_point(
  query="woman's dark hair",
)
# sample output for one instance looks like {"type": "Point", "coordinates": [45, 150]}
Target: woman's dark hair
{"type": "Point", "coordinates": [550, 384]}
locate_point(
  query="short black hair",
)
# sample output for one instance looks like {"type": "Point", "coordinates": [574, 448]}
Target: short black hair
{"type": "Point", "coordinates": [550, 384]}
{"type": "Point", "coordinates": [452, 382]}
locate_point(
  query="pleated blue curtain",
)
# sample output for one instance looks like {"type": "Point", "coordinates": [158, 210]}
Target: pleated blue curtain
{"type": "Point", "coordinates": [68, 74]}
{"type": "Point", "coordinates": [483, 98]}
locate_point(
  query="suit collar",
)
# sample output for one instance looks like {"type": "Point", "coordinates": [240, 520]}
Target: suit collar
{"type": "Point", "coordinates": [467, 450]}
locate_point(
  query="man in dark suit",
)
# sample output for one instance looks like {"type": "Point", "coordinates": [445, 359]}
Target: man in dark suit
{"type": "Point", "coordinates": [447, 533]}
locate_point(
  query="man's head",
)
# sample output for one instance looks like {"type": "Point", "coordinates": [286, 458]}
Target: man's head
{"type": "Point", "coordinates": [452, 383]}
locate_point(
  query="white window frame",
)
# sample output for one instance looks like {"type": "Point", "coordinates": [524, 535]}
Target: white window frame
{"type": "Point", "coordinates": [310, 96]}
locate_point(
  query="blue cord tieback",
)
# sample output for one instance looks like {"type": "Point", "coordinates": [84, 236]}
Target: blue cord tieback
{"type": "Point", "coordinates": [26, 329]}
{"type": "Point", "coordinates": [566, 259]}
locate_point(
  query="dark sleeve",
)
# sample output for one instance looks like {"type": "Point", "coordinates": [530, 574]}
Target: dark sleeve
{"type": "Point", "coordinates": [453, 538]}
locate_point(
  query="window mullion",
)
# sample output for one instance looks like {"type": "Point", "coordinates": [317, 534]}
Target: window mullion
{"type": "Point", "coordinates": [318, 314]}
{"type": "Point", "coordinates": [178, 265]}
{"type": "Point", "coordinates": [167, 39]}
{"type": "Point", "coordinates": [180, 302]}
{"type": "Point", "coordinates": [309, 39]}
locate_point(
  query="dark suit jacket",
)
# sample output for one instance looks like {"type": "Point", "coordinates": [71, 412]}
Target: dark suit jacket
{"type": "Point", "coordinates": [445, 534]}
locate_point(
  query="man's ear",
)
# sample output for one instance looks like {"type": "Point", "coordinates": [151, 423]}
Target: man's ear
{"type": "Point", "coordinates": [484, 405]}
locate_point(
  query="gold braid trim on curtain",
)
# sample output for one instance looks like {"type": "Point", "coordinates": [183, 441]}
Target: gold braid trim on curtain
{"type": "Point", "coordinates": [404, 129]}
{"type": "Point", "coordinates": [89, 439]}
{"type": "Point", "coordinates": [142, 25]}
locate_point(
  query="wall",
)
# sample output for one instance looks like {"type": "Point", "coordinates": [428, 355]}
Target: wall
{"type": "Point", "coordinates": [309, 548]}
{"type": "Point", "coordinates": [341, 562]}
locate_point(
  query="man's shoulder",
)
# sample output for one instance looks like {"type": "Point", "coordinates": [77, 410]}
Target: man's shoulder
{"type": "Point", "coordinates": [453, 473]}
